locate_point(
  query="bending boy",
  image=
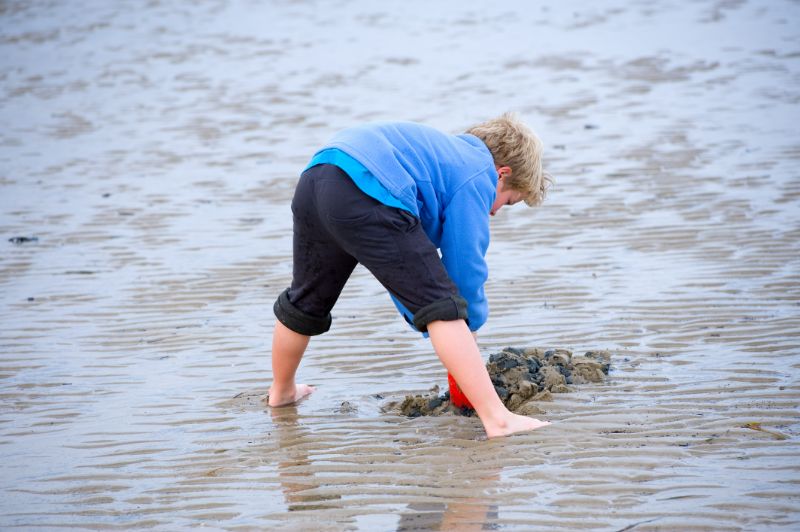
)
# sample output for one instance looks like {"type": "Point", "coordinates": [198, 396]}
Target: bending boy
{"type": "Point", "coordinates": [387, 195]}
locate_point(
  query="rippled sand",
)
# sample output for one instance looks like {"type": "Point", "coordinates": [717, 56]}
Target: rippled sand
{"type": "Point", "coordinates": [153, 148]}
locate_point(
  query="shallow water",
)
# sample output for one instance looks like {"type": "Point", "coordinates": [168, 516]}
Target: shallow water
{"type": "Point", "coordinates": [153, 151]}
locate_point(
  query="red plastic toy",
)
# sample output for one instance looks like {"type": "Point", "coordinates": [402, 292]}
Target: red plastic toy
{"type": "Point", "coordinates": [457, 397]}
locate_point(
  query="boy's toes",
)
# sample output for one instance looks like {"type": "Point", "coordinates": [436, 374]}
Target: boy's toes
{"type": "Point", "coordinates": [303, 390]}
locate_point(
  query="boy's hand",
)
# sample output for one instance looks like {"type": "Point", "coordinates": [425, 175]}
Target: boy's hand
{"type": "Point", "coordinates": [289, 395]}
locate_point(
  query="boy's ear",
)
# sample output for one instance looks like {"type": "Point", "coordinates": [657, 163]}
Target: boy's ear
{"type": "Point", "coordinates": [504, 172]}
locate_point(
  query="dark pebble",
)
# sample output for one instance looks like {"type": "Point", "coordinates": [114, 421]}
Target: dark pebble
{"type": "Point", "coordinates": [505, 363]}
{"type": "Point", "coordinates": [533, 365]}
{"type": "Point", "coordinates": [23, 239]}
{"type": "Point", "coordinates": [466, 412]}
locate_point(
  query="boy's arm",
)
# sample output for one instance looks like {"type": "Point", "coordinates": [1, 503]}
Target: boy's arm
{"type": "Point", "coordinates": [459, 354]}
{"type": "Point", "coordinates": [465, 239]}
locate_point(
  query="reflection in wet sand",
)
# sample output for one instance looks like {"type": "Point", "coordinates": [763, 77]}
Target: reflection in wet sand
{"type": "Point", "coordinates": [295, 468]}
{"type": "Point", "coordinates": [468, 514]}
{"type": "Point", "coordinates": [300, 485]}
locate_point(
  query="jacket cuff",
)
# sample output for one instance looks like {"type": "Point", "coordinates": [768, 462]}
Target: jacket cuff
{"type": "Point", "coordinates": [448, 309]}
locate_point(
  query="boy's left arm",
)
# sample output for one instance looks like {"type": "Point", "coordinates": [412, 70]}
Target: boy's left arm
{"type": "Point", "coordinates": [465, 239]}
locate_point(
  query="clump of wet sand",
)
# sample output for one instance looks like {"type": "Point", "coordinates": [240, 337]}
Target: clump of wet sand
{"type": "Point", "coordinates": [522, 377]}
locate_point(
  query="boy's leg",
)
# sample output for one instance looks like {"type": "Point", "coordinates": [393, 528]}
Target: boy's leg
{"type": "Point", "coordinates": [456, 348]}
{"type": "Point", "coordinates": [287, 351]}
{"type": "Point", "coordinates": [320, 270]}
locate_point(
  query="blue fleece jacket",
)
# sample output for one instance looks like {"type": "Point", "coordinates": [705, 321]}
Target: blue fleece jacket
{"type": "Point", "coordinates": [448, 181]}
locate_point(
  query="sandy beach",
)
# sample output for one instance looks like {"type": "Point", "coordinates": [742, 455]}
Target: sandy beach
{"type": "Point", "coordinates": [148, 155]}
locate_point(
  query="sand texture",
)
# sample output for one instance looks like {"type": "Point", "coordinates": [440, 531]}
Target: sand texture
{"type": "Point", "coordinates": [148, 157]}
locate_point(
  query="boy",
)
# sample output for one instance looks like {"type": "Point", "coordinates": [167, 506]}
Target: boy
{"type": "Point", "coordinates": [387, 195]}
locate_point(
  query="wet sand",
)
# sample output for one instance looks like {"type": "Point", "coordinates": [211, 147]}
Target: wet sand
{"type": "Point", "coordinates": [149, 152]}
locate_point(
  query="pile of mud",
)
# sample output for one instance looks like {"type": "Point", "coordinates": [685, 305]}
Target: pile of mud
{"type": "Point", "coordinates": [521, 377]}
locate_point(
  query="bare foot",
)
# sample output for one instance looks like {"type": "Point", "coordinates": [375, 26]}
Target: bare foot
{"type": "Point", "coordinates": [514, 423]}
{"type": "Point", "coordinates": [289, 395]}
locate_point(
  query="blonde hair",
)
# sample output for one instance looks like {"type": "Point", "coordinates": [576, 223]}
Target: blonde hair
{"type": "Point", "coordinates": [513, 144]}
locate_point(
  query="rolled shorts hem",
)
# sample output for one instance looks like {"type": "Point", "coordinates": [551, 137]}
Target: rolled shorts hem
{"type": "Point", "coordinates": [297, 320]}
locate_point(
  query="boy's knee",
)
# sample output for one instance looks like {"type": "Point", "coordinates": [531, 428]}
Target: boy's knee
{"type": "Point", "coordinates": [297, 320]}
{"type": "Point", "coordinates": [448, 309]}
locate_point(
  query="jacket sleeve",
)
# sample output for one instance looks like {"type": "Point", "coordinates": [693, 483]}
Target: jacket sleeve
{"type": "Point", "coordinates": [465, 239]}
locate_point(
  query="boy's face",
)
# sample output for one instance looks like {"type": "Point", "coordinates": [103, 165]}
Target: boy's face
{"type": "Point", "coordinates": [504, 196]}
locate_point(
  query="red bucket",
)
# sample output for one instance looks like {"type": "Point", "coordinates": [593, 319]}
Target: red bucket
{"type": "Point", "coordinates": [457, 397]}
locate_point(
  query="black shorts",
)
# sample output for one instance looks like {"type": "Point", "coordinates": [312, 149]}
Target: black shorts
{"type": "Point", "coordinates": [337, 226]}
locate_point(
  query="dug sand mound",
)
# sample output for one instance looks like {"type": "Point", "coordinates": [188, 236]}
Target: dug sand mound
{"type": "Point", "coordinates": [521, 377]}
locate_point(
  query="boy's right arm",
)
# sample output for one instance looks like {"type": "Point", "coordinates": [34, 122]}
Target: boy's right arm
{"type": "Point", "coordinates": [459, 354]}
